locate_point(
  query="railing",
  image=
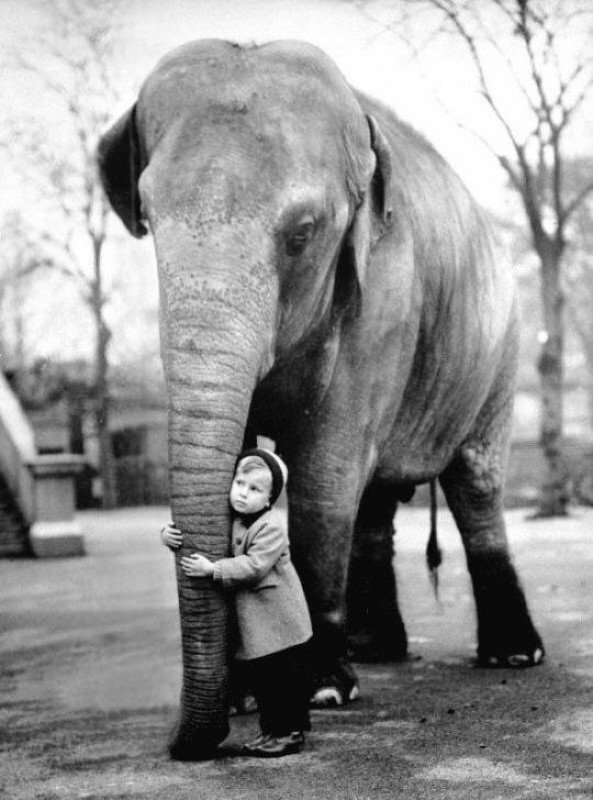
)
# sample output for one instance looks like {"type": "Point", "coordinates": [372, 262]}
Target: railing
{"type": "Point", "coordinates": [42, 486]}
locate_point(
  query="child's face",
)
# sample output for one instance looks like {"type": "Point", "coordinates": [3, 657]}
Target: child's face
{"type": "Point", "coordinates": [250, 491]}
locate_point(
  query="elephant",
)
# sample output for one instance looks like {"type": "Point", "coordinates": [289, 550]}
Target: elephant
{"type": "Point", "coordinates": [327, 281]}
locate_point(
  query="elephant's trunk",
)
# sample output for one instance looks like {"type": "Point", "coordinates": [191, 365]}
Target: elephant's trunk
{"type": "Point", "coordinates": [216, 343]}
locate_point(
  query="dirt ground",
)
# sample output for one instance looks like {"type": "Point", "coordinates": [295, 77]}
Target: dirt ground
{"type": "Point", "coordinates": [90, 677]}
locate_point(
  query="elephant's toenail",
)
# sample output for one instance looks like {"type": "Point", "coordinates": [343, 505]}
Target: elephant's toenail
{"type": "Point", "coordinates": [328, 696]}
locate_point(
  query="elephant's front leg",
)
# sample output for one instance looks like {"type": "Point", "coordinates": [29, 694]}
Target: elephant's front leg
{"type": "Point", "coordinates": [506, 634]}
{"type": "Point", "coordinates": [323, 502]}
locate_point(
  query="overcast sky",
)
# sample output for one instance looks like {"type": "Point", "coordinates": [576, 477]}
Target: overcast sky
{"type": "Point", "coordinates": [372, 59]}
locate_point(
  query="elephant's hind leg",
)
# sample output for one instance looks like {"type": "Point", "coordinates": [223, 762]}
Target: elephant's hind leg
{"type": "Point", "coordinates": [375, 627]}
{"type": "Point", "coordinates": [473, 487]}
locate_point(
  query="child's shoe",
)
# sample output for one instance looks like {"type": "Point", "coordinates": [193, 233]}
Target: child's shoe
{"type": "Point", "coordinates": [277, 746]}
{"type": "Point", "coordinates": [251, 747]}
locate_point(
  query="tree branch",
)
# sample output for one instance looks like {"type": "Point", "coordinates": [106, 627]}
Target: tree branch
{"type": "Point", "coordinates": [577, 200]}
{"type": "Point", "coordinates": [452, 12]}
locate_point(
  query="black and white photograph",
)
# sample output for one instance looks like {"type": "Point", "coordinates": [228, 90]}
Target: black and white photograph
{"type": "Point", "coordinates": [296, 400]}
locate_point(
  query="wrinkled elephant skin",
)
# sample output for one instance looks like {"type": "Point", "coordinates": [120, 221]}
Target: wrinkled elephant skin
{"type": "Point", "coordinates": [326, 281]}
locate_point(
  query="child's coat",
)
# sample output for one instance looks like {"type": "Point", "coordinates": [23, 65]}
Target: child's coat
{"type": "Point", "coordinates": [272, 612]}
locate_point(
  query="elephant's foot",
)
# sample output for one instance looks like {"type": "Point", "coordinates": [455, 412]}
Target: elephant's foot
{"type": "Point", "coordinates": [505, 645]}
{"type": "Point", "coordinates": [514, 660]}
{"type": "Point", "coordinates": [337, 688]}
{"type": "Point", "coordinates": [188, 743]}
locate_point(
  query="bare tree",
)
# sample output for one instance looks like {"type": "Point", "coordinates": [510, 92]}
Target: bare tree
{"type": "Point", "coordinates": [20, 260]}
{"type": "Point", "coordinates": [71, 59]}
{"type": "Point", "coordinates": [533, 66]}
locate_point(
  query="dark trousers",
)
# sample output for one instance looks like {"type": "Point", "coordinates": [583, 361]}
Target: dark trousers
{"type": "Point", "coordinates": [281, 684]}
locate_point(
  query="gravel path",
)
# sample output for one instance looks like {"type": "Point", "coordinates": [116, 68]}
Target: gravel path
{"type": "Point", "coordinates": [90, 677]}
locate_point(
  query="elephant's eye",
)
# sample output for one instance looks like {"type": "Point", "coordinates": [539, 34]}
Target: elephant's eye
{"type": "Point", "coordinates": [299, 238]}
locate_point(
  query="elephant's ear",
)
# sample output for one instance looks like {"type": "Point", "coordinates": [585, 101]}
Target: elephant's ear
{"type": "Point", "coordinates": [383, 178]}
{"type": "Point", "coordinates": [119, 162]}
{"type": "Point", "coordinates": [372, 217]}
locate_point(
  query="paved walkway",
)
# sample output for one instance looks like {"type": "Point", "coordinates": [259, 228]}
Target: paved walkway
{"type": "Point", "coordinates": [90, 677]}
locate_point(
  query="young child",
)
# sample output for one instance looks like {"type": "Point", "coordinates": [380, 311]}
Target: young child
{"type": "Point", "coordinates": [272, 613]}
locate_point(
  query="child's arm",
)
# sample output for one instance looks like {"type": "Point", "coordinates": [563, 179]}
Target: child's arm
{"type": "Point", "coordinates": [268, 544]}
{"type": "Point", "coordinates": [197, 566]}
{"type": "Point", "coordinates": [171, 536]}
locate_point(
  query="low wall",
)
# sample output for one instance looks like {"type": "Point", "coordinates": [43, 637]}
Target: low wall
{"type": "Point", "coordinates": [41, 487]}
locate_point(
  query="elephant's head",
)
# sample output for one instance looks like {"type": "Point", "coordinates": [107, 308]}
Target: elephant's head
{"type": "Point", "coordinates": [263, 184]}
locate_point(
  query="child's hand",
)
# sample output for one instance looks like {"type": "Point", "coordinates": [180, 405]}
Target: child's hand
{"type": "Point", "coordinates": [197, 566]}
{"type": "Point", "coordinates": [171, 536]}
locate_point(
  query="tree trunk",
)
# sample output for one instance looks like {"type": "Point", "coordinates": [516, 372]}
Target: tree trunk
{"type": "Point", "coordinates": [75, 396]}
{"type": "Point", "coordinates": [554, 493]}
{"type": "Point", "coordinates": [587, 345]}
{"type": "Point", "coordinates": [106, 463]}
{"type": "Point", "coordinates": [102, 414]}
{"type": "Point", "coordinates": [102, 398]}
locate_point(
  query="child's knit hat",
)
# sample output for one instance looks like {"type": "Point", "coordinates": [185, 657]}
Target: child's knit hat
{"type": "Point", "coordinates": [276, 466]}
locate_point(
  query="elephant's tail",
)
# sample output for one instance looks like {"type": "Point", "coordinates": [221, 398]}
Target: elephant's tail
{"type": "Point", "coordinates": [434, 556]}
